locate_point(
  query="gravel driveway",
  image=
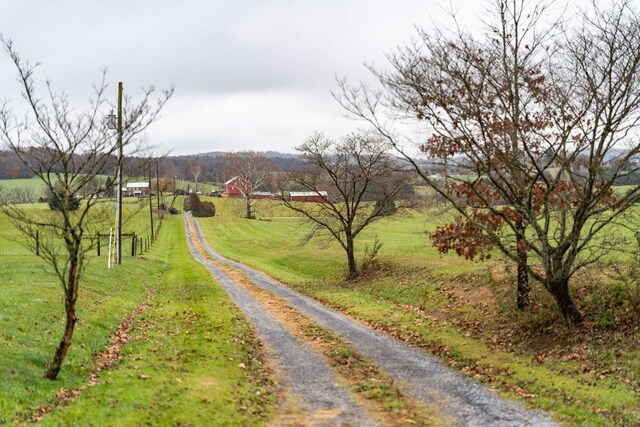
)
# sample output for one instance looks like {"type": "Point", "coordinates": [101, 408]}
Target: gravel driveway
{"type": "Point", "coordinates": [303, 371]}
{"type": "Point", "coordinates": [420, 375]}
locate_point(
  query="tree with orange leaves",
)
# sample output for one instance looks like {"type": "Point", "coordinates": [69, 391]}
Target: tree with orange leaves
{"type": "Point", "coordinates": [533, 123]}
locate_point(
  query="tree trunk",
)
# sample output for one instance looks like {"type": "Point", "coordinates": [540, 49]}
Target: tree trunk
{"type": "Point", "coordinates": [522, 299]}
{"type": "Point", "coordinates": [560, 291]}
{"type": "Point", "coordinates": [351, 259]}
{"type": "Point", "coordinates": [65, 343]}
{"type": "Point", "coordinates": [249, 212]}
{"type": "Point", "coordinates": [70, 307]}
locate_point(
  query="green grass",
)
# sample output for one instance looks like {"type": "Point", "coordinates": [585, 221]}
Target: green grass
{"type": "Point", "coordinates": [205, 187]}
{"type": "Point", "coordinates": [411, 274]}
{"type": "Point", "coordinates": [189, 342]}
{"type": "Point", "coordinates": [35, 184]}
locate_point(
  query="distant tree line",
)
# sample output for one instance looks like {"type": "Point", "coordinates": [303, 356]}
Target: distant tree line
{"type": "Point", "coordinates": [211, 168]}
{"type": "Point", "coordinates": [198, 167]}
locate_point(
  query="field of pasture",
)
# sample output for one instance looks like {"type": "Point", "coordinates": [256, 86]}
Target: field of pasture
{"type": "Point", "coordinates": [462, 311]}
{"type": "Point", "coordinates": [183, 362]}
{"type": "Point", "coordinates": [180, 360]}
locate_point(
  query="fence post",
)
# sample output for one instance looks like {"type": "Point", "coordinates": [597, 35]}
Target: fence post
{"type": "Point", "coordinates": [133, 244]}
{"type": "Point", "coordinates": [37, 242]}
{"type": "Point", "coordinates": [98, 244]}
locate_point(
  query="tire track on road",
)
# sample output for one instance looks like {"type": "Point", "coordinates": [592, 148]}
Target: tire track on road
{"type": "Point", "coordinates": [304, 372]}
{"type": "Point", "coordinates": [421, 376]}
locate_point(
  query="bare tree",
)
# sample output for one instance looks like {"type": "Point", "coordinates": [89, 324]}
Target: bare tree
{"type": "Point", "coordinates": [362, 181]}
{"type": "Point", "coordinates": [67, 150]}
{"type": "Point", "coordinates": [196, 171]}
{"type": "Point", "coordinates": [253, 171]}
{"type": "Point", "coordinates": [539, 122]}
{"type": "Point", "coordinates": [20, 195]}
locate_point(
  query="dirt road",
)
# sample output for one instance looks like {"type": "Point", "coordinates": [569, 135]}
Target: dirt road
{"type": "Point", "coordinates": [420, 376]}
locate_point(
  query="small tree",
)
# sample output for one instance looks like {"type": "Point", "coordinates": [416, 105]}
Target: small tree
{"type": "Point", "coordinates": [534, 123]}
{"type": "Point", "coordinates": [67, 150]}
{"type": "Point", "coordinates": [253, 171]}
{"type": "Point", "coordinates": [362, 180]}
{"type": "Point", "coordinates": [195, 170]}
{"type": "Point", "coordinates": [59, 201]}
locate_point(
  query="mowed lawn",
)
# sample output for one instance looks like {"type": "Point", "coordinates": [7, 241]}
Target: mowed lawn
{"type": "Point", "coordinates": [34, 184]}
{"type": "Point", "coordinates": [192, 358]}
{"type": "Point", "coordinates": [459, 310]}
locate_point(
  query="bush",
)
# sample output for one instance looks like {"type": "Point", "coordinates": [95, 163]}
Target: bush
{"type": "Point", "coordinates": [206, 209]}
{"type": "Point", "coordinates": [59, 200]}
{"type": "Point", "coordinates": [197, 208]}
{"type": "Point", "coordinates": [173, 211]}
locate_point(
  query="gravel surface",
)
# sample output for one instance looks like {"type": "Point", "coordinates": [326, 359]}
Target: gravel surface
{"type": "Point", "coordinates": [306, 374]}
{"type": "Point", "coordinates": [421, 376]}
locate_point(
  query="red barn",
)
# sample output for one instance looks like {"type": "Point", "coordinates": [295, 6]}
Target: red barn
{"type": "Point", "coordinates": [308, 196]}
{"type": "Point", "coordinates": [237, 186]}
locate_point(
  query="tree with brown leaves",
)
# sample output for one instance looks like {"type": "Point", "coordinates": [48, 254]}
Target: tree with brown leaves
{"type": "Point", "coordinates": [536, 122]}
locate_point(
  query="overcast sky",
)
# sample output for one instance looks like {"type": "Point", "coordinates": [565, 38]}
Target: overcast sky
{"type": "Point", "coordinates": [248, 74]}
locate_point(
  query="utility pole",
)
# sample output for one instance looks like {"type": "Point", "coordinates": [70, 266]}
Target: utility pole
{"type": "Point", "coordinates": [158, 184]}
{"type": "Point", "coordinates": [120, 162]}
{"type": "Point", "coordinates": [150, 203]}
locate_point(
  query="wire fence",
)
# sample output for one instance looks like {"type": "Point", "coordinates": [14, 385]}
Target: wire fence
{"type": "Point", "coordinates": [14, 244]}
{"type": "Point", "coordinates": [133, 244]}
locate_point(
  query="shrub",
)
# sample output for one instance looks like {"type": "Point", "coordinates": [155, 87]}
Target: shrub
{"type": "Point", "coordinates": [197, 208]}
{"type": "Point", "coordinates": [206, 209]}
{"type": "Point", "coordinates": [59, 199]}
{"type": "Point", "coordinates": [173, 211]}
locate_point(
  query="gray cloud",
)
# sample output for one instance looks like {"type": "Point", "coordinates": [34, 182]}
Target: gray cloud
{"type": "Point", "coordinates": [248, 74]}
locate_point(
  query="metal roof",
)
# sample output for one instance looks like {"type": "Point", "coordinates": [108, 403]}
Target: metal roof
{"type": "Point", "coordinates": [230, 180]}
{"type": "Point", "coordinates": [308, 193]}
{"type": "Point", "coordinates": [137, 185]}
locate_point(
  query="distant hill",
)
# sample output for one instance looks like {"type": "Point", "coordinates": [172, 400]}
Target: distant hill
{"type": "Point", "coordinates": [269, 154]}
{"type": "Point", "coordinates": [285, 161]}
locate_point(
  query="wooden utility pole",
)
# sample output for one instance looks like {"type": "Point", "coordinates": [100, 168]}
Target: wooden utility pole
{"type": "Point", "coordinates": [158, 183]}
{"type": "Point", "coordinates": [150, 201]}
{"type": "Point", "coordinates": [120, 162]}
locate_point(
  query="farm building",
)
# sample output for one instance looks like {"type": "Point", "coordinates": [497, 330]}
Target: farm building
{"type": "Point", "coordinates": [308, 196]}
{"type": "Point", "coordinates": [136, 189]}
{"type": "Point", "coordinates": [237, 186]}
{"type": "Point", "coordinates": [265, 195]}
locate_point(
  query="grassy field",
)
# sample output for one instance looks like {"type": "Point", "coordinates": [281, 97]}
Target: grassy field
{"type": "Point", "coordinates": [463, 312]}
{"type": "Point", "coordinates": [34, 184]}
{"type": "Point", "coordinates": [135, 220]}
{"type": "Point", "coordinates": [205, 187]}
{"type": "Point", "coordinates": [191, 357]}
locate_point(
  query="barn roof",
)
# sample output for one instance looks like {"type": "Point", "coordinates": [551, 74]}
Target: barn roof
{"type": "Point", "coordinates": [308, 194]}
{"type": "Point", "coordinates": [229, 181]}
